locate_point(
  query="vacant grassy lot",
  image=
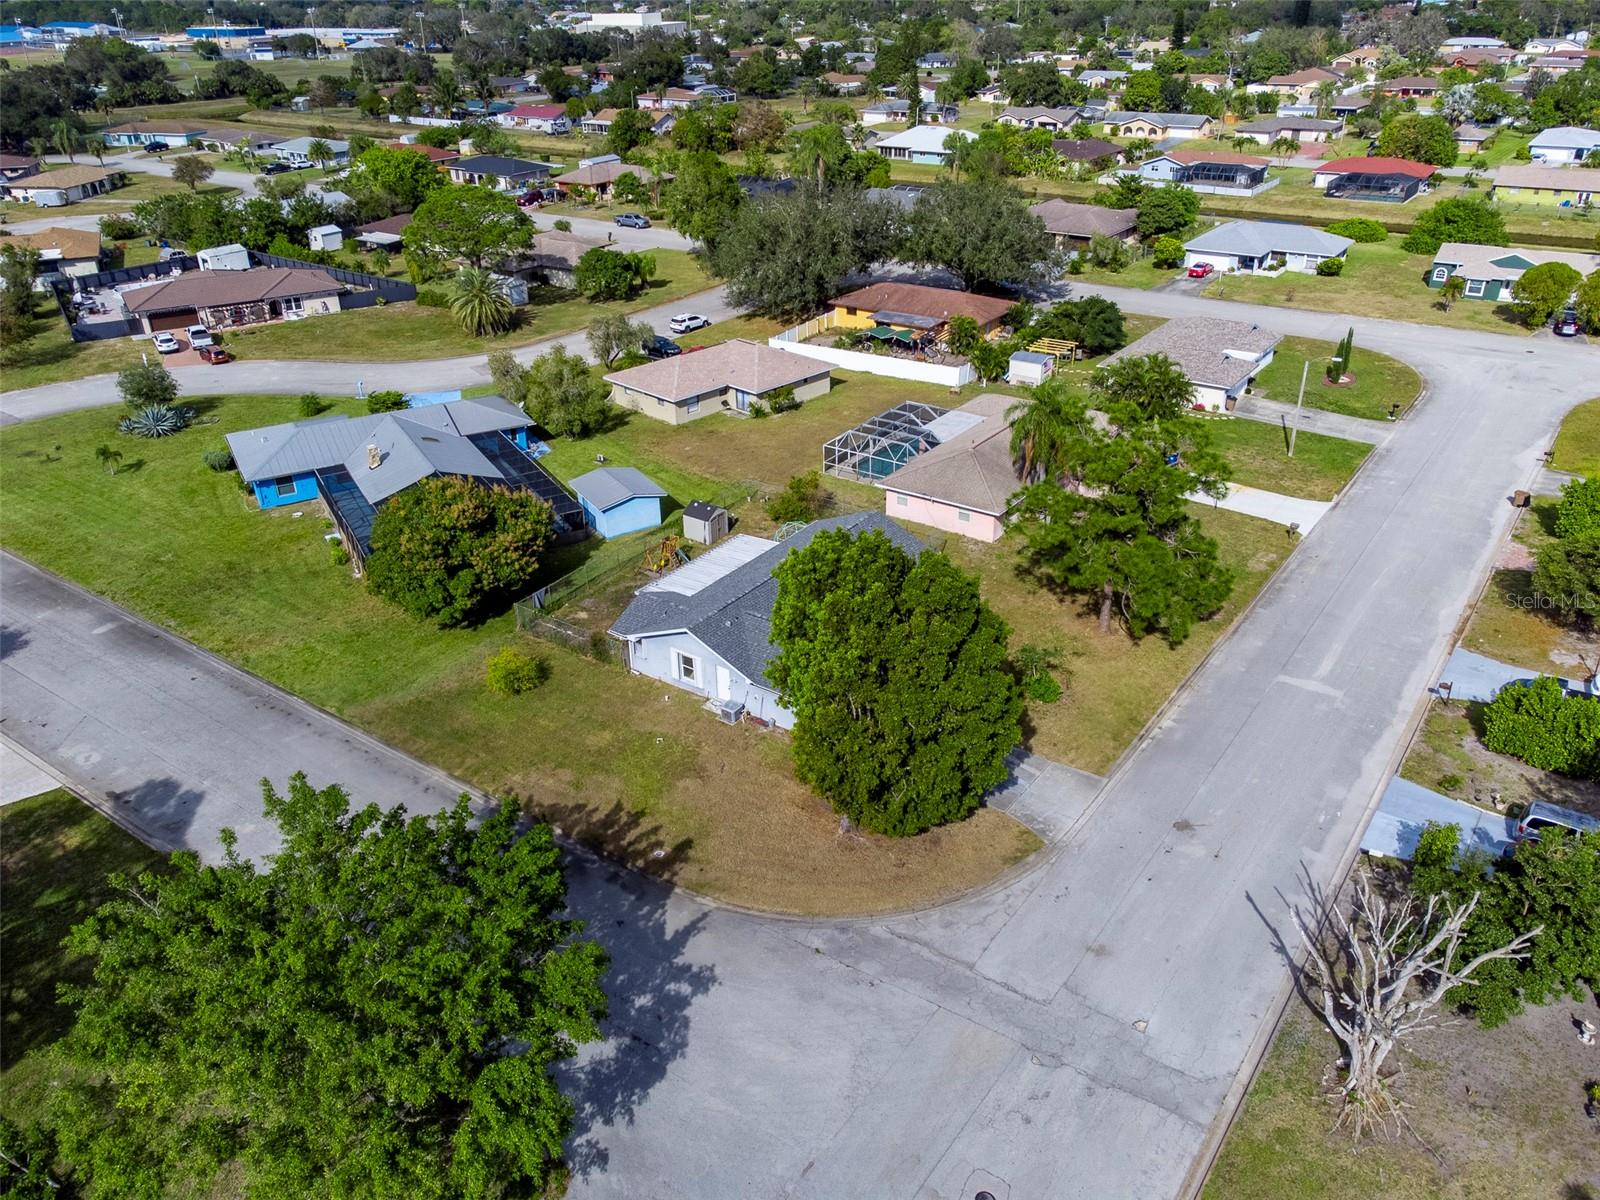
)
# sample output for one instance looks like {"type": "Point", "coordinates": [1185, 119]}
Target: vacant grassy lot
{"type": "Point", "coordinates": [1258, 454]}
{"type": "Point", "coordinates": [51, 355]}
{"type": "Point", "coordinates": [1378, 381]}
{"type": "Point", "coordinates": [1379, 280]}
{"type": "Point", "coordinates": [1578, 444]}
{"type": "Point", "coordinates": [624, 763]}
{"type": "Point", "coordinates": [405, 331]}
{"type": "Point", "coordinates": [1499, 1113]}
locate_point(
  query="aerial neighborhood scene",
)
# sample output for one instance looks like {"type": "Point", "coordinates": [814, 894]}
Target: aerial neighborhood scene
{"type": "Point", "coordinates": [886, 599]}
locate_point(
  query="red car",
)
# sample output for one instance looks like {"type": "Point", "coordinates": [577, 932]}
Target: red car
{"type": "Point", "coordinates": [215, 355]}
{"type": "Point", "coordinates": [1200, 270]}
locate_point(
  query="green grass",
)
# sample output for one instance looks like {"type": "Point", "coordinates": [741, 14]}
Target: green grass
{"type": "Point", "coordinates": [618, 761]}
{"type": "Point", "coordinates": [1380, 280]}
{"type": "Point", "coordinates": [397, 332]}
{"type": "Point", "coordinates": [1257, 454]}
{"type": "Point", "coordinates": [1577, 447]}
{"type": "Point", "coordinates": [139, 187]}
{"type": "Point", "coordinates": [1378, 381]}
{"type": "Point", "coordinates": [51, 356]}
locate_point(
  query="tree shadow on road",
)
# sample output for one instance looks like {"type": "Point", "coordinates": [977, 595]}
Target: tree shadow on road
{"type": "Point", "coordinates": [160, 811]}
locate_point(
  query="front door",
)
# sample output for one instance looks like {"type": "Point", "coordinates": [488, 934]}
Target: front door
{"type": "Point", "coordinates": [724, 683]}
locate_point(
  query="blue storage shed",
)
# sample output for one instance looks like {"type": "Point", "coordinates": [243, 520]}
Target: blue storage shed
{"type": "Point", "coordinates": [619, 500]}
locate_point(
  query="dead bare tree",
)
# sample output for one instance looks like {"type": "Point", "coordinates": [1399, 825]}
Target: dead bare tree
{"type": "Point", "coordinates": [1383, 970]}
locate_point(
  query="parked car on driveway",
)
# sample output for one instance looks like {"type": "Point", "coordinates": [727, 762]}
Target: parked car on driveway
{"type": "Point", "coordinates": [530, 198]}
{"type": "Point", "coordinates": [275, 168]}
{"type": "Point", "coordinates": [687, 323]}
{"type": "Point", "coordinates": [156, 147]}
{"type": "Point", "coordinates": [165, 343]}
{"type": "Point", "coordinates": [660, 347]}
{"type": "Point", "coordinates": [1201, 270]}
{"type": "Point", "coordinates": [1566, 323]}
{"type": "Point", "coordinates": [199, 336]}
{"type": "Point", "coordinates": [215, 355]}
{"type": "Point", "coordinates": [633, 220]}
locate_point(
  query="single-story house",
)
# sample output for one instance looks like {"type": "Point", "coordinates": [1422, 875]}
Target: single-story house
{"type": "Point", "coordinates": [1087, 150]}
{"type": "Point", "coordinates": [1302, 129]}
{"type": "Point", "coordinates": [619, 500]}
{"type": "Point", "coordinates": [16, 166]}
{"type": "Point", "coordinates": [1565, 145]}
{"type": "Point", "coordinates": [921, 144]}
{"type": "Point", "coordinates": [728, 377]}
{"type": "Point", "coordinates": [707, 626]}
{"type": "Point", "coordinates": [1250, 246]}
{"type": "Point", "coordinates": [886, 112]}
{"type": "Point", "coordinates": [1366, 57]}
{"type": "Point", "coordinates": [601, 177]}
{"type": "Point", "coordinates": [1375, 177]}
{"type": "Point", "coordinates": [356, 463]}
{"type": "Point", "coordinates": [1215, 172]}
{"type": "Point", "coordinates": [384, 234]}
{"type": "Point", "coordinates": [1110, 81]}
{"type": "Point", "coordinates": [70, 252]}
{"type": "Point", "coordinates": [218, 299]}
{"type": "Point", "coordinates": [916, 307]}
{"type": "Point", "coordinates": [247, 141]}
{"type": "Point", "coordinates": [993, 94]}
{"type": "Point", "coordinates": [1478, 56]}
{"type": "Point", "coordinates": [1490, 271]}
{"type": "Point", "coordinates": [65, 185]}
{"type": "Point", "coordinates": [598, 124]}
{"type": "Point", "coordinates": [1074, 226]}
{"type": "Point", "coordinates": [844, 84]}
{"type": "Point", "coordinates": [499, 173]}
{"type": "Point", "coordinates": [1209, 83]}
{"type": "Point", "coordinates": [438, 155]}
{"type": "Point", "coordinates": [1410, 85]}
{"type": "Point", "coordinates": [142, 133]}
{"type": "Point", "coordinates": [1219, 358]}
{"type": "Point", "coordinates": [1298, 85]}
{"type": "Point", "coordinates": [676, 97]}
{"type": "Point", "coordinates": [541, 118]}
{"type": "Point", "coordinates": [1057, 120]}
{"type": "Point", "coordinates": [297, 151]}
{"type": "Point", "coordinates": [1562, 187]}
{"type": "Point", "coordinates": [1159, 125]}
{"type": "Point", "coordinates": [1470, 139]}
{"type": "Point", "coordinates": [552, 258]}
{"type": "Point", "coordinates": [964, 484]}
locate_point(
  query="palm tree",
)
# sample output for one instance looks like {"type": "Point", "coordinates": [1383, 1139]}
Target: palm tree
{"type": "Point", "coordinates": [444, 92]}
{"type": "Point", "coordinates": [1285, 147]}
{"type": "Point", "coordinates": [1044, 429]}
{"type": "Point", "coordinates": [483, 84]}
{"type": "Point", "coordinates": [64, 139]}
{"type": "Point", "coordinates": [319, 152]}
{"type": "Point", "coordinates": [479, 303]}
{"type": "Point", "coordinates": [1451, 291]}
{"type": "Point", "coordinates": [108, 458]}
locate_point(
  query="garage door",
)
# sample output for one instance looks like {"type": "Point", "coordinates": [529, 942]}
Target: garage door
{"type": "Point", "coordinates": [181, 319]}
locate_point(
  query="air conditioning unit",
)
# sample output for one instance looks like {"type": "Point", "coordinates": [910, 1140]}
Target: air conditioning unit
{"type": "Point", "coordinates": [729, 712]}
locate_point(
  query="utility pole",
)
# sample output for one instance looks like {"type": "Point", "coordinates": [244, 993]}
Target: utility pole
{"type": "Point", "coordinates": [1299, 405]}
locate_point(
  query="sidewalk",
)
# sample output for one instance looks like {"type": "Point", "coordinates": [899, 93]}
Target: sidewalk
{"type": "Point", "coordinates": [1313, 420]}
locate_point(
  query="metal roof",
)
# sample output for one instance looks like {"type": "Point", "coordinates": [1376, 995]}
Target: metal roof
{"type": "Point", "coordinates": [607, 487]}
{"type": "Point", "coordinates": [1255, 239]}
{"type": "Point", "coordinates": [408, 452]}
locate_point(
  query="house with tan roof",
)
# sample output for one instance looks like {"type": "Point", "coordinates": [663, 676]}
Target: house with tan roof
{"type": "Point", "coordinates": [1057, 120]}
{"type": "Point", "coordinates": [1074, 226]}
{"type": "Point", "coordinates": [1297, 85]}
{"type": "Point", "coordinates": [71, 252]}
{"type": "Point", "coordinates": [729, 377]}
{"type": "Point", "coordinates": [1490, 271]}
{"type": "Point", "coordinates": [552, 258]}
{"type": "Point", "coordinates": [64, 185]}
{"type": "Point", "coordinates": [1559, 187]}
{"type": "Point", "coordinates": [845, 84]}
{"type": "Point", "coordinates": [15, 166]}
{"type": "Point", "coordinates": [964, 484]}
{"type": "Point", "coordinates": [219, 299]}
{"type": "Point", "coordinates": [1219, 358]}
{"type": "Point", "coordinates": [1365, 57]}
{"type": "Point", "coordinates": [601, 177]}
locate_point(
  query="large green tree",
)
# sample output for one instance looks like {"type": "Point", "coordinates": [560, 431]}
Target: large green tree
{"type": "Point", "coordinates": [1456, 219]}
{"type": "Point", "coordinates": [470, 224]}
{"type": "Point", "coordinates": [450, 549]}
{"type": "Point", "coordinates": [404, 178]}
{"type": "Point", "coordinates": [982, 232]}
{"type": "Point", "coordinates": [1566, 576]}
{"type": "Point", "coordinates": [604, 274]}
{"type": "Point", "coordinates": [1421, 139]}
{"type": "Point", "coordinates": [375, 1010]}
{"type": "Point", "coordinates": [564, 397]}
{"type": "Point", "coordinates": [703, 197]}
{"type": "Point", "coordinates": [1542, 290]}
{"type": "Point", "coordinates": [896, 671]}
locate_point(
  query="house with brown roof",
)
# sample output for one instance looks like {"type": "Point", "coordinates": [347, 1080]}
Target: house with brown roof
{"type": "Point", "coordinates": [1074, 226]}
{"type": "Point", "coordinates": [71, 252]}
{"type": "Point", "coordinates": [1297, 85]}
{"type": "Point", "coordinates": [916, 307]}
{"type": "Point", "coordinates": [1087, 150]}
{"type": "Point", "coordinates": [844, 84]}
{"type": "Point", "coordinates": [220, 299]}
{"type": "Point", "coordinates": [552, 258]}
{"type": "Point", "coordinates": [964, 484]}
{"type": "Point", "coordinates": [383, 234]}
{"type": "Point", "coordinates": [1268, 130]}
{"type": "Point", "coordinates": [1056, 120]}
{"type": "Point", "coordinates": [438, 155]}
{"type": "Point", "coordinates": [1410, 85]}
{"type": "Point", "coordinates": [15, 166]}
{"type": "Point", "coordinates": [601, 177]}
{"type": "Point", "coordinates": [64, 185]}
{"type": "Point", "coordinates": [728, 377]}
{"type": "Point", "coordinates": [1365, 57]}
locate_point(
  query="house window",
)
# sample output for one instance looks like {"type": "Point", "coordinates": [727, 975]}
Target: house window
{"type": "Point", "coordinates": [688, 668]}
{"type": "Point", "coordinates": [963, 515]}
{"type": "Point", "coordinates": [1440, 274]}
{"type": "Point", "coordinates": [286, 486]}
{"type": "Point", "coordinates": [902, 500]}
{"type": "Point", "coordinates": [1475, 287]}
{"type": "Point", "coordinates": [293, 304]}
{"type": "Point", "coordinates": [693, 406]}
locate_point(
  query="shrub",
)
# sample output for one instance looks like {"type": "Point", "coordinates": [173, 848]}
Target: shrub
{"type": "Point", "coordinates": [783, 400]}
{"type": "Point", "coordinates": [758, 410]}
{"type": "Point", "coordinates": [804, 498]}
{"type": "Point", "coordinates": [1359, 229]}
{"type": "Point", "coordinates": [1167, 251]}
{"type": "Point", "coordinates": [310, 405]}
{"type": "Point", "coordinates": [1450, 783]}
{"type": "Point", "coordinates": [337, 554]}
{"type": "Point", "coordinates": [1035, 666]}
{"type": "Point", "coordinates": [157, 421]}
{"type": "Point", "coordinates": [147, 384]}
{"type": "Point", "coordinates": [220, 459]}
{"type": "Point", "coordinates": [563, 225]}
{"type": "Point", "coordinates": [1545, 728]}
{"type": "Point", "coordinates": [386, 401]}
{"type": "Point", "coordinates": [1330, 266]}
{"type": "Point", "coordinates": [512, 672]}
{"type": "Point", "coordinates": [1566, 576]}
{"type": "Point", "coordinates": [1579, 511]}
{"type": "Point", "coordinates": [433, 298]}
{"type": "Point", "coordinates": [119, 227]}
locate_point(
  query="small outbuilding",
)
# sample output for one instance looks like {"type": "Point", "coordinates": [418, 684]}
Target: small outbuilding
{"type": "Point", "coordinates": [705, 522]}
{"type": "Point", "coordinates": [325, 237]}
{"type": "Point", "coordinates": [1029, 369]}
{"type": "Point", "coordinates": [619, 500]}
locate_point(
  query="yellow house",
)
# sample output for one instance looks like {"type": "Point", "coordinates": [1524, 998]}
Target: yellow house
{"type": "Point", "coordinates": [1558, 187]}
{"type": "Point", "coordinates": [916, 308]}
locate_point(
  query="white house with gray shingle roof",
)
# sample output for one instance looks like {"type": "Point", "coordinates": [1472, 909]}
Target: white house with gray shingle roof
{"type": "Point", "coordinates": [729, 377]}
{"type": "Point", "coordinates": [707, 627]}
{"type": "Point", "coordinates": [1249, 247]}
{"type": "Point", "coordinates": [1219, 358]}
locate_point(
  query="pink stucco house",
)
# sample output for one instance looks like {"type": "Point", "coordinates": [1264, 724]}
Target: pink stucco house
{"type": "Point", "coordinates": [964, 484]}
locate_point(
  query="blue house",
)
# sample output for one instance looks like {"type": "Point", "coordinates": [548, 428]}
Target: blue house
{"type": "Point", "coordinates": [354, 464]}
{"type": "Point", "coordinates": [619, 500]}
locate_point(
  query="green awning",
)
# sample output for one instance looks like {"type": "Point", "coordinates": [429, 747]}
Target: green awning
{"type": "Point", "coordinates": [884, 334]}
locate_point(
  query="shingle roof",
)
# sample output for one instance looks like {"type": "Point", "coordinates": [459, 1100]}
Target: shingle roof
{"type": "Point", "coordinates": [554, 249]}
{"type": "Point", "coordinates": [64, 178]}
{"type": "Point", "coordinates": [542, 111]}
{"type": "Point", "coordinates": [1506, 262]}
{"type": "Point", "coordinates": [1085, 149]}
{"type": "Point", "coordinates": [302, 145]}
{"type": "Point", "coordinates": [1200, 346]}
{"type": "Point", "coordinates": [1190, 157]}
{"type": "Point", "coordinates": [606, 487]}
{"type": "Point", "coordinates": [973, 470]}
{"type": "Point", "coordinates": [923, 139]}
{"type": "Point", "coordinates": [1167, 120]}
{"type": "Point", "coordinates": [1566, 137]}
{"type": "Point", "coordinates": [438, 154]}
{"type": "Point", "coordinates": [1085, 220]}
{"type": "Point", "coordinates": [67, 243]}
{"type": "Point", "coordinates": [1377, 164]}
{"type": "Point", "coordinates": [1063, 116]}
{"type": "Point", "coordinates": [1284, 124]}
{"type": "Point", "coordinates": [395, 224]}
{"type": "Point", "coordinates": [745, 365]}
{"type": "Point", "coordinates": [733, 615]}
{"type": "Point", "coordinates": [918, 300]}
{"type": "Point", "coordinates": [409, 452]}
{"type": "Point", "coordinates": [1559, 178]}
{"type": "Point", "coordinates": [600, 174]}
{"type": "Point", "coordinates": [156, 127]}
{"type": "Point", "coordinates": [207, 289]}
{"type": "Point", "coordinates": [1258, 238]}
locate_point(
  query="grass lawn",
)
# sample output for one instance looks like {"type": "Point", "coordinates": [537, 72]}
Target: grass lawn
{"type": "Point", "coordinates": [1113, 685]}
{"type": "Point", "coordinates": [51, 355]}
{"type": "Point", "coordinates": [397, 332]}
{"type": "Point", "coordinates": [55, 852]}
{"type": "Point", "coordinates": [1380, 280]}
{"type": "Point", "coordinates": [1578, 444]}
{"type": "Point", "coordinates": [140, 186]}
{"type": "Point", "coordinates": [1258, 456]}
{"type": "Point", "coordinates": [1499, 1113]}
{"type": "Point", "coordinates": [623, 763]}
{"type": "Point", "coordinates": [1378, 380]}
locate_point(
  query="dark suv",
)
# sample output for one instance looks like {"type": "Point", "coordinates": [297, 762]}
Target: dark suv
{"type": "Point", "coordinates": [660, 347]}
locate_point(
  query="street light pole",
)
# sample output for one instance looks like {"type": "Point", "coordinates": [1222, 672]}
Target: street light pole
{"type": "Point", "coordinates": [1299, 405]}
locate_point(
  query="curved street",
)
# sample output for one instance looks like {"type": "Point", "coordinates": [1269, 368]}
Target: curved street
{"type": "Point", "coordinates": [1081, 1031]}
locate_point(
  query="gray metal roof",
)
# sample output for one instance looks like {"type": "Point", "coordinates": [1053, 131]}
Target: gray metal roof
{"type": "Point", "coordinates": [299, 446]}
{"type": "Point", "coordinates": [733, 615]}
{"type": "Point", "coordinates": [409, 452]}
{"type": "Point", "coordinates": [606, 487]}
{"type": "Point", "coordinates": [1255, 239]}
{"type": "Point", "coordinates": [1169, 120]}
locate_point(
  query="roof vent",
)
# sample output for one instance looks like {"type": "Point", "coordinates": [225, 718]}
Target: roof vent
{"type": "Point", "coordinates": [374, 458]}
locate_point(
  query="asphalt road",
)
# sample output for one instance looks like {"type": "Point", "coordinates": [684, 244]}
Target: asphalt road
{"type": "Point", "coordinates": [1079, 1032]}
